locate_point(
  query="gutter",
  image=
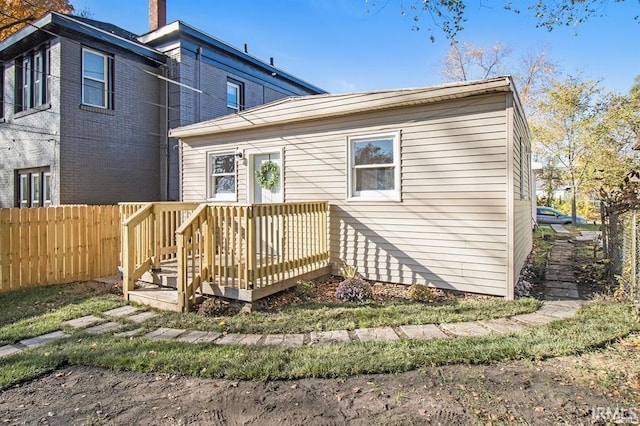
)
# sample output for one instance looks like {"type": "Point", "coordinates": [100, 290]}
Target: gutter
{"type": "Point", "coordinates": [217, 126]}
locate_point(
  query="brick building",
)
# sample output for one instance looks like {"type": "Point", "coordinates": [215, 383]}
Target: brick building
{"type": "Point", "coordinates": [86, 106]}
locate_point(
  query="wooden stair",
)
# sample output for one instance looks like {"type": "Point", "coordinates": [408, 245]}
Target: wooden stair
{"type": "Point", "coordinates": [158, 288]}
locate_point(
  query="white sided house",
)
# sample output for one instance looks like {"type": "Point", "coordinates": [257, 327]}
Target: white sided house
{"type": "Point", "coordinates": [429, 185]}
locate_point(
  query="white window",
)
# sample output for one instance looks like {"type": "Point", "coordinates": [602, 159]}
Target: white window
{"type": "Point", "coordinates": [35, 190]}
{"type": "Point", "coordinates": [524, 170]}
{"type": "Point", "coordinates": [34, 187]}
{"type": "Point", "coordinates": [46, 189]}
{"type": "Point", "coordinates": [31, 79]}
{"type": "Point", "coordinates": [221, 176]}
{"type": "Point", "coordinates": [374, 167]}
{"type": "Point", "coordinates": [234, 95]}
{"type": "Point", "coordinates": [23, 190]}
{"type": "Point", "coordinates": [27, 99]}
{"type": "Point", "coordinates": [96, 77]}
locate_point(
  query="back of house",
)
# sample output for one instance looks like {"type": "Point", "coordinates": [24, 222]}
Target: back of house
{"type": "Point", "coordinates": [429, 185]}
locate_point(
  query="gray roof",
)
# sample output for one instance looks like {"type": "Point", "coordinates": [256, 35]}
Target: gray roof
{"type": "Point", "coordinates": [304, 108]}
{"type": "Point", "coordinates": [54, 23]}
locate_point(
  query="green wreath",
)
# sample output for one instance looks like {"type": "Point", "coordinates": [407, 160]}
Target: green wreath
{"type": "Point", "coordinates": [268, 175]}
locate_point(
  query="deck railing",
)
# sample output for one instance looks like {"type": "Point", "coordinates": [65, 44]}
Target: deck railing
{"type": "Point", "coordinates": [242, 251]}
{"type": "Point", "coordinates": [148, 236]}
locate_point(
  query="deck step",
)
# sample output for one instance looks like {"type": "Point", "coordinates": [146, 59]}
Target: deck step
{"type": "Point", "coordinates": [159, 298]}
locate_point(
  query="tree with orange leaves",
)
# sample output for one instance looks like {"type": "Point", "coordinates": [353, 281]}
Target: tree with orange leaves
{"type": "Point", "coordinates": [16, 14]}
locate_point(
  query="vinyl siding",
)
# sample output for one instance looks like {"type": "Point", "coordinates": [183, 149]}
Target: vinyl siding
{"type": "Point", "coordinates": [449, 230]}
{"type": "Point", "coordinates": [522, 202]}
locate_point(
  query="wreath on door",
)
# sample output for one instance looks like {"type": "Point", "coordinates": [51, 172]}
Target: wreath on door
{"type": "Point", "coordinates": [268, 175]}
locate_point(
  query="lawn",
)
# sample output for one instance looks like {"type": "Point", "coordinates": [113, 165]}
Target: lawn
{"type": "Point", "coordinates": [31, 312]}
{"type": "Point", "coordinates": [593, 326]}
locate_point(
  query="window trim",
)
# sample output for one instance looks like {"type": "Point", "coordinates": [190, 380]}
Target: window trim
{"type": "Point", "coordinates": [32, 80]}
{"type": "Point", "coordinates": [25, 179]}
{"type": "Point", "coordinates": [211, 195]}
{"type": "Point", "coordinates": [239, 86]}
{"type": "Point", "coordinates": [378, 195]}
{"type": "Point", "coordinates": [107, 82]}
{"type": "Point", "coordinates": [525, 164]}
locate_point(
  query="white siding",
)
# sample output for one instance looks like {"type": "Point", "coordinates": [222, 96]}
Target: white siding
{"type": "Point", "coordinates": [522, 201]}
{"type": "Point", "coordinates": [449, 230]}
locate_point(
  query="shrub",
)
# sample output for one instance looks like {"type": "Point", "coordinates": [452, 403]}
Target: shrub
{"type": "Point", "coordinates": [304, 289]}
{"type": "Point", "coordinates": [422, 293]}
{"type": "Point", "coordinates": [354, 290]}
{"type": "Point", "coordinates": [217, 307]}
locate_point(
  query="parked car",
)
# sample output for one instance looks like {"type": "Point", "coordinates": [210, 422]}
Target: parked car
{"type": "Point", "coordinates": [547, 215]}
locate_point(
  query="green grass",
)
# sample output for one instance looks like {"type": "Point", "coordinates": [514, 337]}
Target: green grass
{"type": "Point", "coordinates": [32, 312]}
{"type": "Point", "coordinates": [593, 326]}
{"type": "Point", "coordinates": [54, 320]}
{"type": "Point", "coordinates": [589, 227]}
{"type": "Point", "coordinates": [30, 302]}
{"type": "Point", "coordinates": [320, 317]}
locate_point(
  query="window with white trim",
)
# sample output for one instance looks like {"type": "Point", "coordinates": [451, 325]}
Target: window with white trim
{"type": "Point", "coordinates": [221, 172]}
{"type": "Point", "coordinates": [97, 79]}
{"type": "Point", "coordinates": [234, 95]}
{"type": "Point", "coordinates": [374, 167]}
{"type": "Point", "coordinates": [33, 187]}
{"type": "Point", "coordinates": [525, 190]}
{"type": "Point", "coordinates": [32, 79]}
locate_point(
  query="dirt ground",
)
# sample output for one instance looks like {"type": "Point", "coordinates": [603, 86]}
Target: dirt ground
{"type": "Point", "coordinates": [559, 391]}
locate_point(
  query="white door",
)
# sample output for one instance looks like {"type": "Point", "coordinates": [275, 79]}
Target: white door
{"type": "Point", "coordinates": [263, 195]}
{"type": "Point", "coordinates": [269, 230]}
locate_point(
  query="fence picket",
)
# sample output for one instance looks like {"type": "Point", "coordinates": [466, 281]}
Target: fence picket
{"type": "Point", "coordinates": [50, 245]}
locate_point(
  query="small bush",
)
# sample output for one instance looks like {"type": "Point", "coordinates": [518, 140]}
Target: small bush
{"type": "Point", "coordinates": [304, 289]}
{"type": "Point", "coordinates": [422, 293]}
{"type": "Point", "coordinates": [354, 290]}
{"type": "Point", "coordinates": [217, 307]}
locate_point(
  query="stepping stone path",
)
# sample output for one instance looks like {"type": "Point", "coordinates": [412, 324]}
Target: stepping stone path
{"type": "Point", "coordinates": [560, 282]}
{"type": "Point", "coordinates": [560, 229]}
{"type": "Point", "coordinates": [562, 300]}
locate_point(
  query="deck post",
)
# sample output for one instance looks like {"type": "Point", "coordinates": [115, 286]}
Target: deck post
{"type": "Point", "coordinates": [155, 236]}
{"type": "Point", "coordinates": [251, 249]}
{"type": "Point", "coordinates": [128, 259]}
{"type": "Point", "coordinates": [183, 303]}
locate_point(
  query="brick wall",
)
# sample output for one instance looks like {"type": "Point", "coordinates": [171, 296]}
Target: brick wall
{"type": "Point", "coordinates": [29, 139]}
{"type": "Point", "coordinates": [110, 155]}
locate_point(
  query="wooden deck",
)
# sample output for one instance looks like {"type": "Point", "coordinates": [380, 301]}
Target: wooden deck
{"type": "Point", "coordinates": [243, 252]}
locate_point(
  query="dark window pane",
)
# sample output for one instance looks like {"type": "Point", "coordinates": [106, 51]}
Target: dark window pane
{"type": "Point", "coordinates": [225, 184]}
{"type": "Point", "coordinates": [224, 164]}
{"type": "Point", "coordinates": [93, 92]}
{"type": "Point", "coordinates": [232, 96]}
{"type": "Point", "coordinates": [373, 152]}
{"type": "Point", "coordinates": [93, 66]}
{"type": "Point", "coordinates": [378, 179]}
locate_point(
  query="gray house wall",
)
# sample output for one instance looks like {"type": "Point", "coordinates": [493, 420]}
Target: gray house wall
{"type": "Point", "coordinates": [30, 139]}
{"type": "Point", "coordinates": [109, 155]}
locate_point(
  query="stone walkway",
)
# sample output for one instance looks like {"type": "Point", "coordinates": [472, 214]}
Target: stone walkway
{"type": "Point", "coordinates": [562, 300]}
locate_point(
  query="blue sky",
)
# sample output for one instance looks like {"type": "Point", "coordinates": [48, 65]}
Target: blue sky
{"type": "Point", "coordinates": [340, 46]}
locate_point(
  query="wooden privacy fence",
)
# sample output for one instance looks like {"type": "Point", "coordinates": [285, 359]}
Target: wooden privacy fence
{"type": "Point", "coordinates": [55, 245]}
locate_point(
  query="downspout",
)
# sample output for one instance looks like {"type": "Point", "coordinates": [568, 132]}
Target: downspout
{"type": "Point", "coordinates": [197, 81]}
{"type": "Point", "coordinates": [166, 138]}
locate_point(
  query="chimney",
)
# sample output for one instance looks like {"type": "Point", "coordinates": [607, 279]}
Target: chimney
{"type": "Point", "coordinates": [157, 14]}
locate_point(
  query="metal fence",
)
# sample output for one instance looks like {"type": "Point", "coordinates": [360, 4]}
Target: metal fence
{"type": "Point", "coordinates": [621, 243]}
